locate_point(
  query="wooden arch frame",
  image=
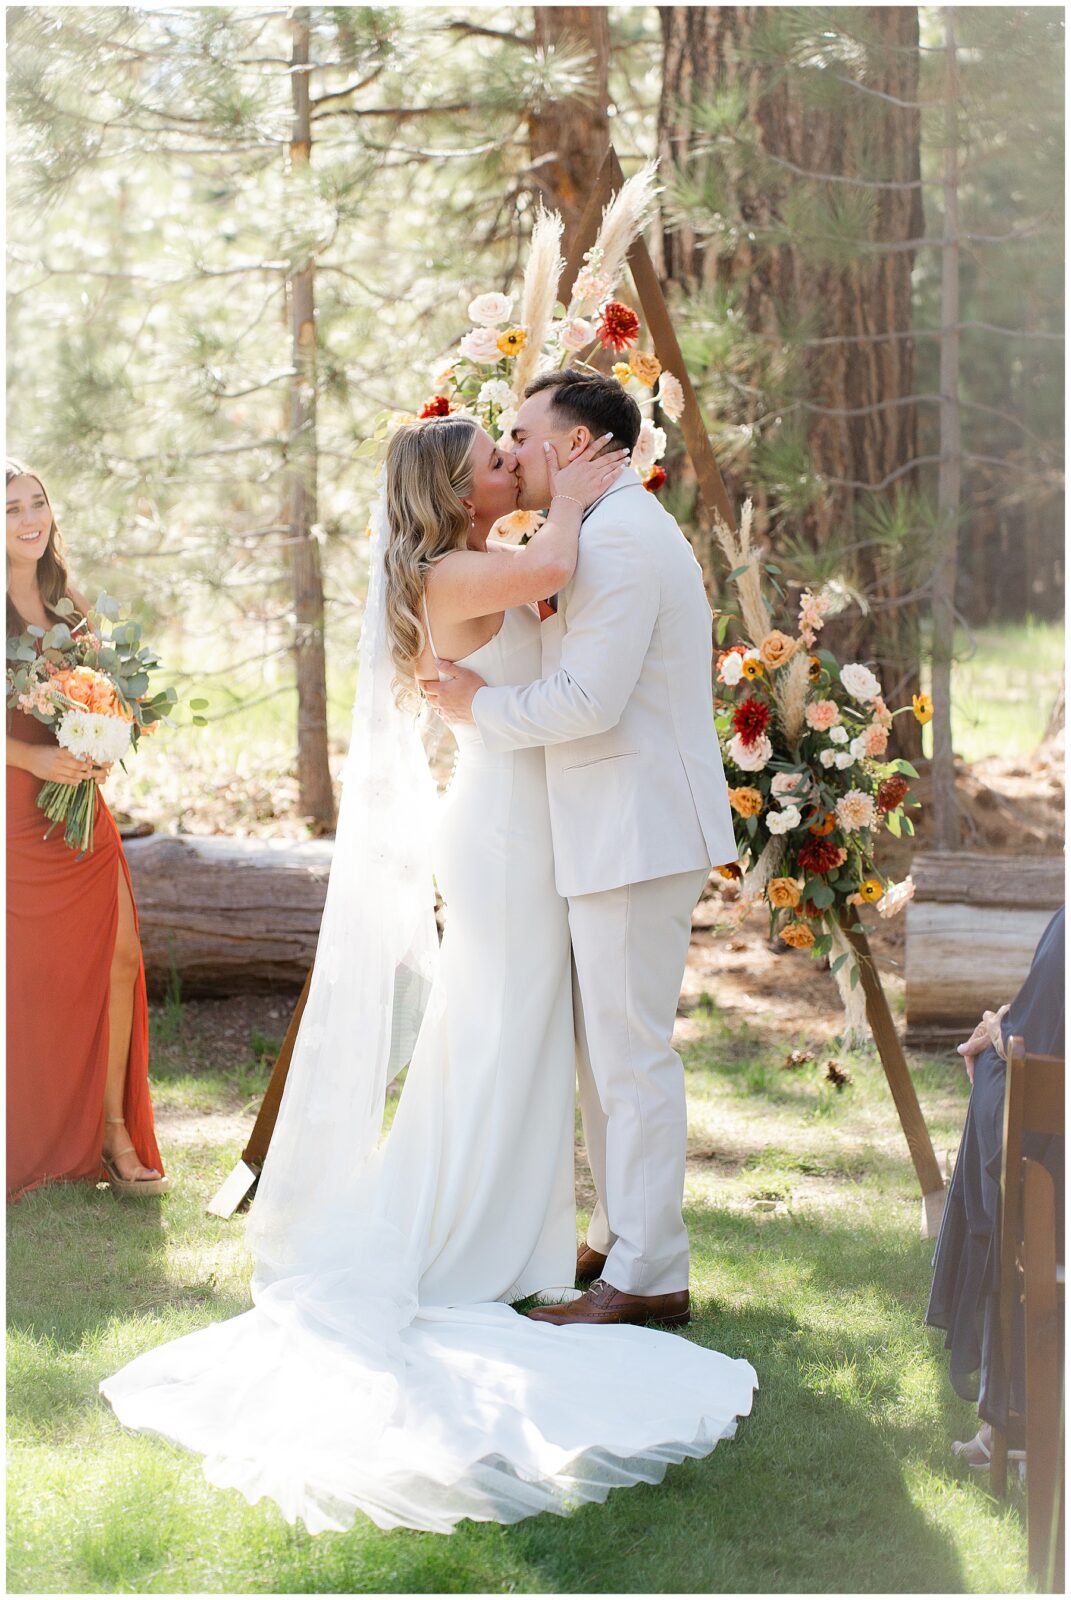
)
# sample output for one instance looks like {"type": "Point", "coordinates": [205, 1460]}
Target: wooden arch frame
{"type": "Point", "coordinates": [239, 1185]}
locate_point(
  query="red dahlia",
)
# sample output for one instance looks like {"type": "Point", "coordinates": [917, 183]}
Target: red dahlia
{"type": "Point", "coordinates": [437, 406]}
{"type": "Point", "coordinates": [655, 479]}
{"type": "Point", "coordinates": [891, 792]}
{"type": "Point", "coordinates": [750, 719]}
{"type": "Point", "coordinates": [619, 327]}
{"type": "Point", "coordinates": [818, 856]}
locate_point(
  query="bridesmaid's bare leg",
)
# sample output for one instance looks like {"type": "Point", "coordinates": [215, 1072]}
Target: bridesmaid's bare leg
{"type": "Point", "coordinates": [126, 960]}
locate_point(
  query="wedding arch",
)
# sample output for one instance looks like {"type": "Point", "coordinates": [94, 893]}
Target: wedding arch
{"type": "Point", "coordinates": [239, 1185]}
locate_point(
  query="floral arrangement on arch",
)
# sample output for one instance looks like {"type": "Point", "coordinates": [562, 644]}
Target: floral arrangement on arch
{"type": "Point", "coordinates": [486, 374]}
{"type": "Point", "coordinates": [803, 741]}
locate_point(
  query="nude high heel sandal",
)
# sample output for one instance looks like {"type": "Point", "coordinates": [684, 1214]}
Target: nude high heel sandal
{"type": "Point", "coordinates": [130, 1185]}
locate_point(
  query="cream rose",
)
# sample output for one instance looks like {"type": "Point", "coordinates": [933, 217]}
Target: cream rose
{"type": "Point", "coordinates": [490, 310]}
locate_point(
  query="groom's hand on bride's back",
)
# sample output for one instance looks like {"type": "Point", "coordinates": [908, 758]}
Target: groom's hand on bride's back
{"type": "Point", "coordinates": [452, 693]}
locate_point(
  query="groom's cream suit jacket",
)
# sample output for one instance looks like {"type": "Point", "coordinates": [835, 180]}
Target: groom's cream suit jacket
{"type": "Point", "coordinates": [624, 707]}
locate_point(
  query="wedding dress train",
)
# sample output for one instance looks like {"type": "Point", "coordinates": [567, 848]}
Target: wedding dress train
{"type": "Point", "coordinates": [394, 1378]}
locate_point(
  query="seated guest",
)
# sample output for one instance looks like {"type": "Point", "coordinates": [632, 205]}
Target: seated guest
{"type": "Point", "coordinates": [964, 1295]}
{"type": "Point", "coordinates": [78, 1105]}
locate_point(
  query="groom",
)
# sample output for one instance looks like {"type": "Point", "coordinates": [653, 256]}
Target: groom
{"type": "Point", "coordinates": [639, 814]}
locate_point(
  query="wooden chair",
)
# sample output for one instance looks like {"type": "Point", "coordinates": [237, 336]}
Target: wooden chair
{"type": "Point", "coordinates": [1026, 1239]}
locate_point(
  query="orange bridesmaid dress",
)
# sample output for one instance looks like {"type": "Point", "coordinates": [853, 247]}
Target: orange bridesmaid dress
{"type": "Point", "coordinates": [62, 916]}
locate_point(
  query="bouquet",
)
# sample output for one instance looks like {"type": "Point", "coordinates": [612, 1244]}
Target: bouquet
{"type": "Point", "coordinates": [91, 686]}
{"type": "Point", "coordinates": [486, 374]}
{"type": "Point", "coordinates": [803, 741]}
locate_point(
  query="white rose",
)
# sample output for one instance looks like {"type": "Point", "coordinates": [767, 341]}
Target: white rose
{"type": "Point", "coordinates": [490, 310]}
{"type": "Point", "coordinates": [480, 344]}
{"type": "Point", "coordinates": [839, 734]}
{"type": "Point", "coordinates": [827, 757]}
{"type": "Point", "coordinates": [782, 821]}
{"type": "Point", "coordinates": [858, 747]}
{"type": "Point", "coordinates": [650, 446]}
{"type": "Point", "coordinates": [495, 392]}
{"type": "Point", "coordinates": [860, 682]}
{"type": "Point", "coordinates": [843, 758]}
{"type": "Point", "coordinates": [732, 670]}
{"type": "Point", "coordinates": [750, 757]}
{"type": "Point", "coordinates": [576, 334]}
{"type": "Point", "coordinates": [788, 783]}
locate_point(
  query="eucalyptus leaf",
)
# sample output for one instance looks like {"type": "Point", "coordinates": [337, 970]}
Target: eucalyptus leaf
{"type": "Point", "coordinates": [738, 572]}
{"type": "Point", "coordinates": [892, 822]}
{"type": "Point", "coordinates": [198, 705]}
{"type": "Point", "coordinates": [855, 976]}
{"type": "Point", "coordinates": [835, 966]}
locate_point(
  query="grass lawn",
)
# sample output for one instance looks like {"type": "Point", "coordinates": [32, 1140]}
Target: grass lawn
{"type": "Point", "coordinates": [806, 1259]}
{"type": "Point", "coordinates": [1004, 685]}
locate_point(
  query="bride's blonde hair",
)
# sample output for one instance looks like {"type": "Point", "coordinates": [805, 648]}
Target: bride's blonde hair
{"type": "Point", "coordinates": [429, 468]}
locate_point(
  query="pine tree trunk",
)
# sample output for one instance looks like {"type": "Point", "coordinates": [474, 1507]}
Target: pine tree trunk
{"type": "Point", "coordinates": [314, 773]}
{"type": "Point", "coordinates": [946, 829]}
{"type": "Point", "coordinates": [707, 50]}
{"type": "Point", "coordinates": [572, 134]}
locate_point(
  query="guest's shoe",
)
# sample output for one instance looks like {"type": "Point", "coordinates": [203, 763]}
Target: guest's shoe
{"type": "Point", "coordinates": [589, 1264]}
{"type": "Point", "coordinates": [151, 1185]}
{"type": "Point", "coordinates": [605, 1305]}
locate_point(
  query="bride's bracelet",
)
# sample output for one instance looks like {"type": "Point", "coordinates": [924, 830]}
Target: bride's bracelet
{"type": "Point", "coordinates": [571, 497]}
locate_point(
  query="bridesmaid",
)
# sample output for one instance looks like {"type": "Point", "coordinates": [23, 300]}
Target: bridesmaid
{"type": "Point", "coordinates": [78, 1102]}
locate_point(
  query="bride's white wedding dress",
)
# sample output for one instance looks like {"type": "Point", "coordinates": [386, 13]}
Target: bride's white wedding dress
{"type": "Point", "coordinates": [401, 1383]}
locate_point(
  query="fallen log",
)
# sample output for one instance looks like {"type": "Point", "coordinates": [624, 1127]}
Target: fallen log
{"type": "Point", "coordinates": [228, 916]}
{"type": "Point", "coordinates": [971, 932]}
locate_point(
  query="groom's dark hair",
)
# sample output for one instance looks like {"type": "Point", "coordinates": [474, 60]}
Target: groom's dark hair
{"type": "Point", "coordinates": [592, 401]}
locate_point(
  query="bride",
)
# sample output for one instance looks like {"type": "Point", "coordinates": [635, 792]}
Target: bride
{"type": "Point", "coordinates": [383, 1369]}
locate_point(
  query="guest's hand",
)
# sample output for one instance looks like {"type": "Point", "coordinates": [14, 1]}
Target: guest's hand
{"type": "Point", "coordinates": [985, 1034]}
{"type": "Point", "coordinates": [52, 764]}
{"type": "Point", "coordinates": [453, 693]}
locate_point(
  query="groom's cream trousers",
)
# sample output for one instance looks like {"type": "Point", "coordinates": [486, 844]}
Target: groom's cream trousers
{"type": "Point", "coordinates": [630, 946]}
{"type": "Point", "coordinates": [639, 813]}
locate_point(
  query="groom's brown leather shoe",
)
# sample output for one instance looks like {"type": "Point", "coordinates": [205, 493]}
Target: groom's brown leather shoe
{"type": "Point", "coordinates": [589, 1264]}
{"type": "Point", "coordinates": [604, 1305]}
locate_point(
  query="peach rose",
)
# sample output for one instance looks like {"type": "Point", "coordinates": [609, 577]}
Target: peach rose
{"type": "Point", "coordinates": [644, 367]}
{"type": "Point", "coordinates": [746, 802]}
{"type": "Point", "coordinates": [783, 893]}
{"type": "Point", "coordinates": [776, 649]}
{"type": "Point", "coordinates": [798, 935]}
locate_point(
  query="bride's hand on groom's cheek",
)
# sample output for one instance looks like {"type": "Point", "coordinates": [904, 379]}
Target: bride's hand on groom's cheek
{"type": "Point", "coordinates": [453, 694]}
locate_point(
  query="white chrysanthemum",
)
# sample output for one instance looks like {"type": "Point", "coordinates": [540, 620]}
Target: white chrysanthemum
{"type": "Point", "coordinates": [490, 310]}
{"type": "Point", "coordinates": [839, 734]}
{"type": "Point", "coordinates": [576, 334]}
{"type": "Point", "coordinates": [731, 670]}
{"type": "Point", "coordinates": [860, 682]}
{"type": "Point", "coordinates": [670, 396]}
{"type": "Point", "coordinates": [855, 810]}
{"type": "Point", "coordinates": [783, 821]}
{"type": "Point", "coordinates": [73, 733]}
{"type": "Point", "coordinates": [88, 733]}
{"type": "Point", "coordinates": [480, 344]}
{"type": "Point", "coordinates": [495, 392]}
{"type": "Point", "coordinates": [750, 757]}
{"type": "Point", "coordinates": [650, 446]}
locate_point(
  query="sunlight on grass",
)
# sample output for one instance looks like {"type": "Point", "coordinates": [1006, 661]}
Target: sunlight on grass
{"type": "Point", "coordinates": [1004, 685]}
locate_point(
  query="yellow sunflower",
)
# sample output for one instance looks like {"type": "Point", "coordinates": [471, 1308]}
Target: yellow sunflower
{"type": "Point", "coordinates": [922, 706]}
